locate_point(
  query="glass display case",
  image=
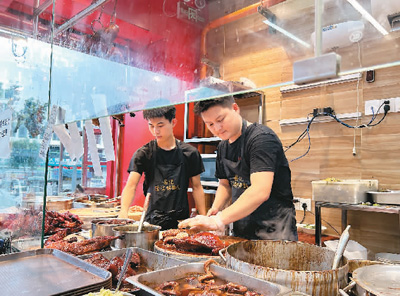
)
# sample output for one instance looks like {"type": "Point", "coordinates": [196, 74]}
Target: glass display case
{"type": "Point", "coordinates": [102, 58]}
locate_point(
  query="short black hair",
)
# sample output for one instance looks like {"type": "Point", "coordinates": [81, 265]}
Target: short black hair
{"type": "Point", "coordinates": [201, 106]}
{"type": "Point", "coordinates": [168, 112]}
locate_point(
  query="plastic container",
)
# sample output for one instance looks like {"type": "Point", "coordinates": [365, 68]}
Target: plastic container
{"type": "Point", "coordinates": [344, 191]}
{"type": "Point", "coordinates": [193, 213]}
{"type": "Point", "coordinates": [353, 249]}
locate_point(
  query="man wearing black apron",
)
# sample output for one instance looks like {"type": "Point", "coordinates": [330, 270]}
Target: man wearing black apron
{"type": "Point", "coordinates": [253, 174]}
{"type": "Point", "coordinates": [168, 164]}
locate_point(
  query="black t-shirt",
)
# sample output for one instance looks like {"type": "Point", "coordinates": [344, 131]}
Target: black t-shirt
{"type": "Point", "coordinates": [263, 152]}
{"type": "Point", "coordinates": [142, 161]}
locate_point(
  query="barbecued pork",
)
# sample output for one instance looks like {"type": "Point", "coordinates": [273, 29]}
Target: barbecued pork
{"type": "Point", "coordinates": [83, 247]}
{"type": "Point", "coordinates": [203, 241]}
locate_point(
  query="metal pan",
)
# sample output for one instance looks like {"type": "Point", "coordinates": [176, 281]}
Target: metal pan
{"type": "Point", "coordinates": [149, 281]}
{"type": "Point", "coordinates": [150, 260]}
{"type": "Point", "coordinates": [49, 272]}
{"type": "Point", "coordinates": [379, 280]}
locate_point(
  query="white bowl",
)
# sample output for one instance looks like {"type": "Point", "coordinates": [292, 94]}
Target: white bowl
{"type": "Point", "coordinates": [388, 257]}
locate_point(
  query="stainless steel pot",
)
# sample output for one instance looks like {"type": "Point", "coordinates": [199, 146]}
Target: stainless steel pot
{"type": "Point", "coordinates": [101, 227]}
{"type": "Point", "coordinates": [299, 266]}
{"type": "Point", "coordinates": [378, 279]}
{"type": "Point", "coordinates": [132, 238]}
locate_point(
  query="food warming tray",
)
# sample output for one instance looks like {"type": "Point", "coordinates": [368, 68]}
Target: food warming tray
{"type": "Point", "coordinates": [149, 259]}
{"type": "Point", "coordinates": [148, 281]}
{"type": "Point", "coordinates": [49, 272]}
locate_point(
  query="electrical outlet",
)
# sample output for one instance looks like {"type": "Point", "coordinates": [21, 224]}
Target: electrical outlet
{"type": "Point", "coordinates": [393, 102]}
{"type": "Point", "coordinates": [372, 104]}
{"type": "Point", "coordinates": [307, 201]}
{"type": "Point", "coordinates": [396, 104]}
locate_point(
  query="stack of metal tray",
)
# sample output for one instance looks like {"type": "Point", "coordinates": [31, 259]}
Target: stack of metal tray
{"type": "Point", "coordinates": [148, 281]}
{"type": "Point", "coordinates": [150, 260]}
{"type": "Point", "coordinates": [49, 272]}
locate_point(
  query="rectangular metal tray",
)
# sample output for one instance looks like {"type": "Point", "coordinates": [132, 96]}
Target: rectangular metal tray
{"type": "Point", "coordinates": [149, 259]}
{"type": "Point", "coordinates": [149, 280]}
{"type": "Point", "coordinates": [385, 197]}
{"type": "Point", "coordinates": [49, 272]}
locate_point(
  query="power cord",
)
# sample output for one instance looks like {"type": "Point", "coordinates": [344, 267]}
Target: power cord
{"type": "Point", "coordinates": [328, 111]}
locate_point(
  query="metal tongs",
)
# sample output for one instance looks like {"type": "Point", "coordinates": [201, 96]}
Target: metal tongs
{"type": "Point", "coordinates": [145, 206]}
{"type": "Point", "coordinates": [128, 256]}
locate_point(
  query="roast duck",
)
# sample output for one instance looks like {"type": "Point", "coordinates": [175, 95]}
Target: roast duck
{"type": "Point", "coordinates": [203, 285]}
{"type": "Point", "coordinates": [202, 242]}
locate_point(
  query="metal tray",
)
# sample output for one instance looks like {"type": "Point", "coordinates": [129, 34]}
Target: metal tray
{"type": "Point", "coordinates": [49, 272]}
{"type": "Point", "coordinates": [149, 259]}
{"type": "Point", "coordinates": [385, 197]}
{"type": "Point", "coordinates": [149, 280]}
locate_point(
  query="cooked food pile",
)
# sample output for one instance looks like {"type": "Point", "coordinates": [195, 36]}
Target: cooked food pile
{"type": "Point", "coordinates": [29, 222]}
{"type": "Point", "coordinates": [115, 265]}
{"type": "Point", "coordinates": [74, 247]}
{"type": "Point", "coordinates": [115, 221]}
{"type": "Point", "coordinates": [106, 292]}
{"type": "Point", "coordinates": [202, 242]}
{"type": "Point", "coordinates": [203, 285]}
{"type": "Point", "coordinates": [56, 221]}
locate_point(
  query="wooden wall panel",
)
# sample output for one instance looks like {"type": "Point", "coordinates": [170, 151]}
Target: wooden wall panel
{"type": "Point", "coordinates": [242, 54]}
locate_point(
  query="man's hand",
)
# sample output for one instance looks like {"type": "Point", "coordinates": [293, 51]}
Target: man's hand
{"type": "Point", "coordinates": [200, 222]}
{"type": "Point", "coordinates": [123, 214]}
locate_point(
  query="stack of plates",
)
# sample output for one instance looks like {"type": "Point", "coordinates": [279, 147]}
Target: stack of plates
{"type": "Point", "coordinates": [388, 258]}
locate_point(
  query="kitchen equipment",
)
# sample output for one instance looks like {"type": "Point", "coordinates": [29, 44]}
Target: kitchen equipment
{"type": "Point", "coordinates": [49, 272]}
{"type": "Point", "coordinates": [89, 214]}
{"type": "Point", "coordinates": [145, 206]}
{"type": "Point", "coordinates": [152, 261]}
{"type": "Point", "coordinates": [188, 256]}
{"type": "Point", "coordinates": [353, 251]}
{"type": "Point", "coordinates": [388, 258]}
{"type": "Point", "coordinates": [344, 238]}
{"type": "Point", "coordinates": [132, 238]}
{"type": "Point", "coordinates": [95, 201]}
{"type": "Point", "coordinates": [390, 197]}
{"type": "Point", "coordinates": [128, 256]}
{"type": "Point", "coordinates": [379, 280]}
{"type": "Point", "coordinates": [299, 266]}
{"type": "Point", "coordinates": [102, 227]}
{"type": "Point", "coordinates": [53, 203]}
{"type": "Point", "coordinates": [343, 191]}
{"type": "Point", "coordinates": [148, 281]}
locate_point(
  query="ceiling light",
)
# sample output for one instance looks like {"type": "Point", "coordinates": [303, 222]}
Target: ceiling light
{"type": "Point", "coordinates": [369, 17]}
{"type": "Point", "coordinates": [286, 33]}
{"type": "Point", "coordinates": [271, 22]}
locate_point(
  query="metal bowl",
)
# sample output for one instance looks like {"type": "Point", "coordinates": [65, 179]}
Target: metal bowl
{"type": "Point", "coordinates": [106, 229]}
{"type": "Point", "coordinates": [133, 238]}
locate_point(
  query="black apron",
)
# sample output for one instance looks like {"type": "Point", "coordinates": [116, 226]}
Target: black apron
{"type": "Point", "coordinates": [273, 219]}
{"type": "Point", "coordinates": [168, 188]}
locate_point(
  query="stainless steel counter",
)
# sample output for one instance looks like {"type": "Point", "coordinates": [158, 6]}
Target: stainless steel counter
{"type": "Point", "coordinates": [388, 209]}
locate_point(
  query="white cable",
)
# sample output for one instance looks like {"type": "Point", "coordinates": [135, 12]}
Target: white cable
{"type": "Point", "coordinates": [358, 101]}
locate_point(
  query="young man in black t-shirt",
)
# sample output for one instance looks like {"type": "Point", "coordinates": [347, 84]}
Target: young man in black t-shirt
{"type": "Point", "coordinates": [253, 171]}
{"type": "Point", "coordinates": [168, 165]}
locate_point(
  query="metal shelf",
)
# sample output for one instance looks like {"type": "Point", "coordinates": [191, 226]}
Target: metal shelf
{"type": "Point", "coordinates": [386, 209]}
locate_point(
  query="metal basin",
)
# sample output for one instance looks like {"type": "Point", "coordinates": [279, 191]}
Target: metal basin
{"type": "Point", "coordinates": [299, 266]}
{"type": "Point", "coordinates": [100, 227]}
{"type": "Point", "coordinates": [132, 238]}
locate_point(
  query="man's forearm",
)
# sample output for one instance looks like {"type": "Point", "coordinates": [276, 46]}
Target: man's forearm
{"type": "Point", "coordinates": [222, 196]}
{"type": "Point", "coordinates": [199, 200]}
